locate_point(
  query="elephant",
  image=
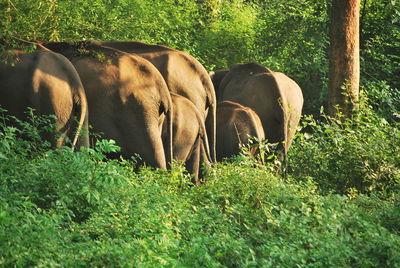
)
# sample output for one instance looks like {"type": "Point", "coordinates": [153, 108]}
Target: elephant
{"type": "Point", "coordinates": [190, 142]}
{"type": "Point", "coordinates": [276, 99]}
{"type": "Point", "coordinates": [48, 83]}
{"type": "Point", "coordinates": [184, 76]}
{"type": "Point", "coordinates": [128, 99]}
{"type": "Point", "coordinates": [235, 125]}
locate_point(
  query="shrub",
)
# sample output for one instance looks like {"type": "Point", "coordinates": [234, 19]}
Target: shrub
{"type": "Point", "coordinates": [360, 154]}
{"type": "Point", "coordinates": [384, 99]}
{"type": "Point", "coordinates": [73, 209]}
{"type": "Point", "coordinates": [228, 35]}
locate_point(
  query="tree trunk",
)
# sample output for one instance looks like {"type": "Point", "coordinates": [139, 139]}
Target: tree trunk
{"type": "Point", "coordinates": [344, 57]}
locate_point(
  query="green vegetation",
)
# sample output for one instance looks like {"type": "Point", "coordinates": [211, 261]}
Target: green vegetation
{"type": "Point", "coordinates": [336, 203]}
{"type": "Point", "coordinates": [64, 208]}
{"type": "Point", "coordinates": [360, 155]}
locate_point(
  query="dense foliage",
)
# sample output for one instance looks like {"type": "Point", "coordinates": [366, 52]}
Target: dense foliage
{"type": "Point", "coordinates": [361, 154]}
{"type": "Point", "coordinates": [336, 202]}
{"type": "Point", "coordinates": [64, 208]}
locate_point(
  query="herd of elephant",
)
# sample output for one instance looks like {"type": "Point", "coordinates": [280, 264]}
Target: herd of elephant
{"type": "Point", "coordinates": [154, 101]}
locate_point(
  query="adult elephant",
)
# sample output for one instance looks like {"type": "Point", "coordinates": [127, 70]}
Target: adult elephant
{"type": "Point", "coordinates": [184, 76]}
{"type": "Point", "coordinates": [48, 83]}
{"type": "Point", "coordinates": [236, 124]}
{"type": "Point", "coordinates": [190, 143]}
{"type": "Point", "coordinates": [128, 99]}
{"type": "Point", "coordinates": [276, 99]}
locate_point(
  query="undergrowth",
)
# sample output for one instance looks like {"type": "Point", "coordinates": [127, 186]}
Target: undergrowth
{"type": "Point", "coordinates": [64, 208]}
{"type": "Point", "coordinates": [356, 155]}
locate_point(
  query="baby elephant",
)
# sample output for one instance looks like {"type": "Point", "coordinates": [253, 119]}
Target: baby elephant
{"type": "Point", "coordinates": [190, 142]}
{"type": "Point", "coordinates": [235, 124]}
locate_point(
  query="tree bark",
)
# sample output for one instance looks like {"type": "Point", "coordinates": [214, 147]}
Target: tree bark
{"type": "Point", "coordinates": [344, 57]}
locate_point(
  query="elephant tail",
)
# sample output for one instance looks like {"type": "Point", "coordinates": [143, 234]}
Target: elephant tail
{"type": "Point", "coordinates": [78, 131]}
{"type": "Point", "coordinates": [205, 155]}
{"type": "Point", "coordinates": [211, 128]}
{"type": "Point", "coordinates": [279, 136]}
{"type": "Point", "coordinates": [169, 142]}
{"type": "Point", "coordinates": [204, 137]}
{"type": "Point", "coordinates": [256, 128]}
{"type": "Point", "coordinates": [81, 137]}
{"type": "Point", "coordinates": [211, 118]}
{"type": "Point", "coordinates": [291, 102]}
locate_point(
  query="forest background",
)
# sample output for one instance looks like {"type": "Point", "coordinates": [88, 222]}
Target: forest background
{"type": "Point", "coordinates": [287, 36]}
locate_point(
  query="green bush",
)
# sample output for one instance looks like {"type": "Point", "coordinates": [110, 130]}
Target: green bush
{"type": "Point", "coordinates": [384, 99]}
{"type": "Point", "coordinates": [380, 40]}
{"type": "Point", "coordinates": [24, 137]}
{"type": "Point", "coordinates": [64, 208]}
{"type": "Point", "coordinates": [229, 35]}
{"type": "Point", "coordinates": [293, 38]}
{"type": "Point", "coordinates": [360, 154]}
